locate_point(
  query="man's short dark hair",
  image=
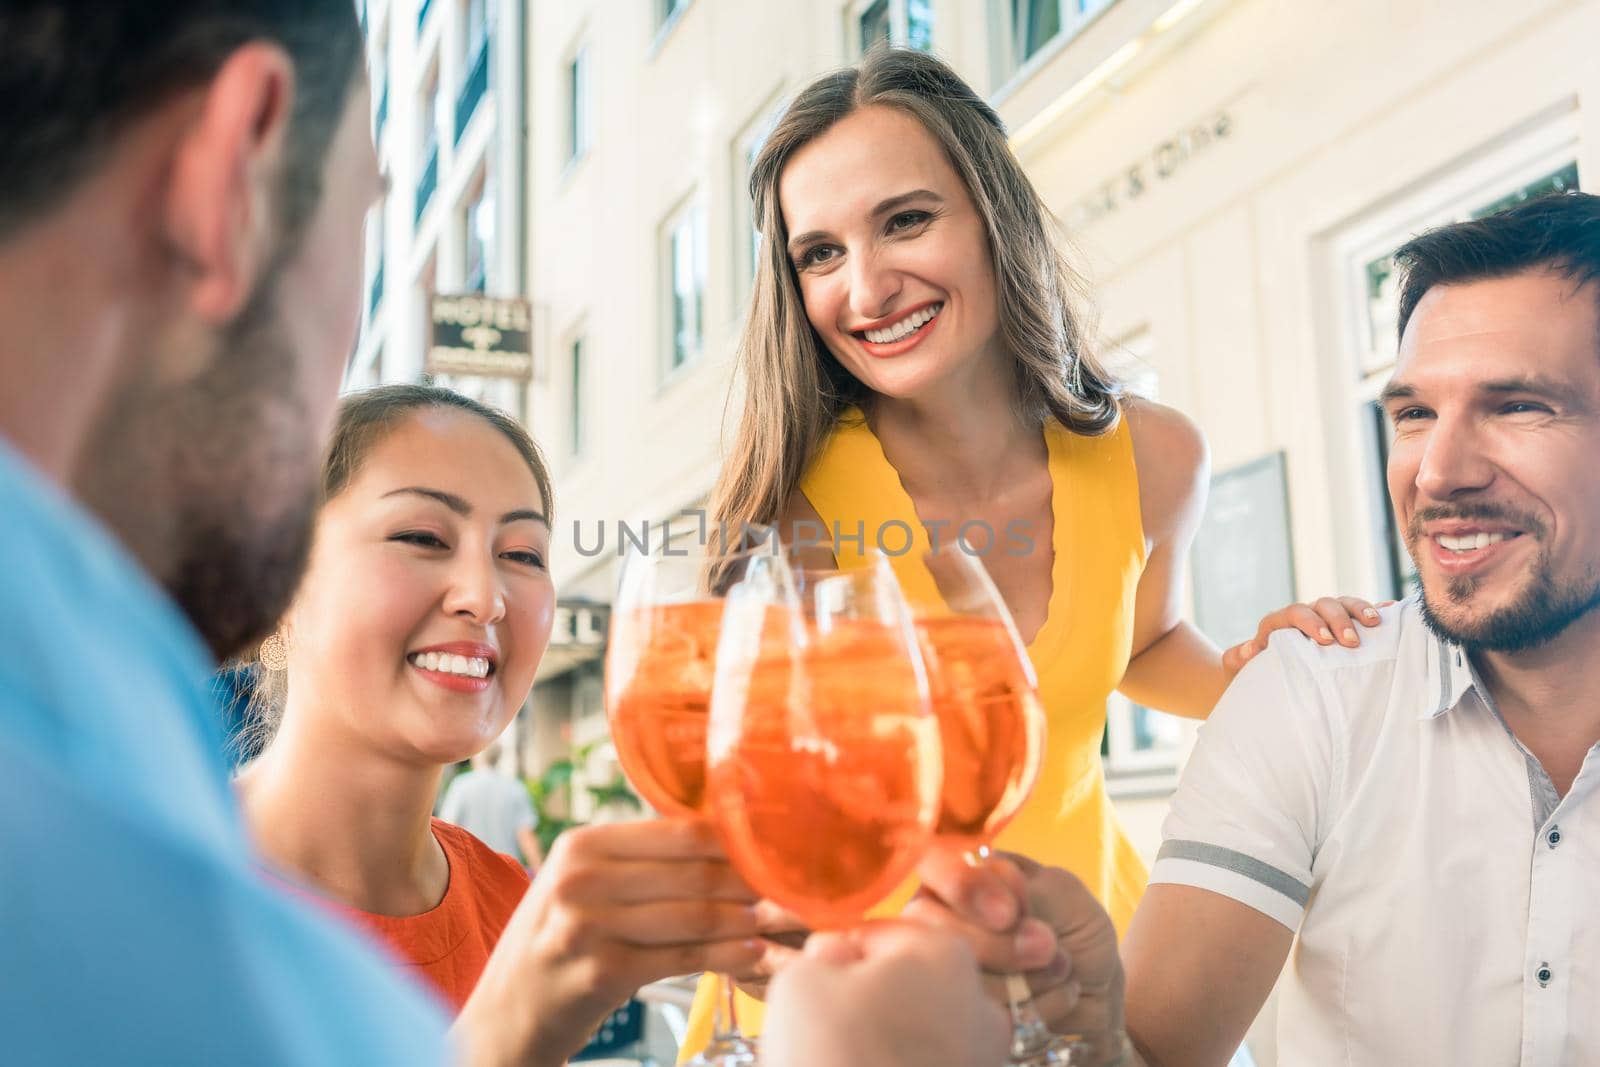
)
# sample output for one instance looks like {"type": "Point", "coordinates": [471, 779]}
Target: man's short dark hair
{"type": "Point", "coordinates": [75, 73]}
{"type": "Point", "coordinates": [1559, 232]}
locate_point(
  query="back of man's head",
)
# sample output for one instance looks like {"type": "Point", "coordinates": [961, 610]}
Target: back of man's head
{"type": "Point", "coordinates": [182, 189]}
{"type": "Point", "coordinates": [75, 73]}
{"type": "Point", "coordinates": [1560, 233]}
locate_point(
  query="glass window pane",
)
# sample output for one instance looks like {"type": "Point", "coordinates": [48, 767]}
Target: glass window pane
{"type": "Point", "coordinates": [1034, 22]}
{"type": "Point", "coordinates": [577, 397]}
{"type": "Point", "coordinates": [1562, 181]}
{"type": "Point", "coordinates": [686, 262]}
{"type": "Point", "coordinates": [919, 24]}
{"type": "Point", "coordinates": [577, 108]}
{"type": "Point", "coordinates": [874, 25]}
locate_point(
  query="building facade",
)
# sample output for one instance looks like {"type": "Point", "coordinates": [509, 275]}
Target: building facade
{"type": "Point", "coordinates": [1232, 175]}
{"type": "Point", "coordinates": [449, 105]}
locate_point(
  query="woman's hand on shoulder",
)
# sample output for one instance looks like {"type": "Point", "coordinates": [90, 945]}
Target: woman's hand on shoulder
{"type": "Point", "coordinates": [1330, 620]}
{"type": "Point", "coordinates": [613, 908]}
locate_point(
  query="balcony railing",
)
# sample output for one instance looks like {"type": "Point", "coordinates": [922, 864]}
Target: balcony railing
{"type": "Point", "coordinates": [422, 13]}
{"type": "Point", "coordinates": [375, 292]}
{"type": "Point", "coordinates": [473, 88]}
{"type": "Point", "coordinates": [428, 181]}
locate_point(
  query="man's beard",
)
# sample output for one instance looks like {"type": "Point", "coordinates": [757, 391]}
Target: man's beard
{"type": "Point", "coordinates": [211, 482]}
{"type": "Point", "coordinates": [1538, 615]}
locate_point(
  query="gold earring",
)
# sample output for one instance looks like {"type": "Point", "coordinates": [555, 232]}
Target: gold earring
{"type": "Point", "coordinates": [274, 653]}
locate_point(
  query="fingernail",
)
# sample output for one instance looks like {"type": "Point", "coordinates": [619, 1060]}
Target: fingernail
{"type": "Point", "coordinates": [1325, 634]}
{"type": "Point", "coordinates": [1371, 613]}
{"type": "Point", "coordinates": [998, 908]}
{"type": "Point", "coordinates": [1349, 637]}
{"type": "Point", "coordinates": [1035, 944]}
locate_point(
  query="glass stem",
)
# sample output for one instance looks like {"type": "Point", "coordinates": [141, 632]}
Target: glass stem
{"type": "Point", "coordinates": [725, 1017]}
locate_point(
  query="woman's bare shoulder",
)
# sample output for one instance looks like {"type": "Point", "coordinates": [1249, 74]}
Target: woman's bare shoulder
{"type": "Point", "coordinates": [1173, 463]}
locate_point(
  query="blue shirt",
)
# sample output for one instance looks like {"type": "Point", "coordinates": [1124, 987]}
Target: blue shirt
{"type": "Point", "coordinates": [134, 927]}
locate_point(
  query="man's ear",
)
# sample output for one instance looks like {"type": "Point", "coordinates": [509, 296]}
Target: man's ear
{"type": "Point", "coordinates": [220, 206]}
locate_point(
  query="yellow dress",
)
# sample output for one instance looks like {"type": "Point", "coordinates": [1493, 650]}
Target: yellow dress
{"type": "Point", "coordinates": [1079, 653]}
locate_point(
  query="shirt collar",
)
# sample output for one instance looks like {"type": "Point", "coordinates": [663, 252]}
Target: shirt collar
{"type": "Point", "coordinates": [1450, 676]}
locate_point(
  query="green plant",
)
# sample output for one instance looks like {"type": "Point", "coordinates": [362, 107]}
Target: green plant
{"type": "Point", "coordinates": [551, 793]}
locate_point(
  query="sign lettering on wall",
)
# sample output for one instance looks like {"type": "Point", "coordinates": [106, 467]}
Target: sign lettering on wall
{"type": "Point", "coordinates": [1162, 162]}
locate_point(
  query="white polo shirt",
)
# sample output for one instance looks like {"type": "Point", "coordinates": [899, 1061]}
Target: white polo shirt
{"type": "Point", "coordinates": [1373, 801]}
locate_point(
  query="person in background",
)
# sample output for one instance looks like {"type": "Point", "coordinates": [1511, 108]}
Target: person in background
{"type": "Point", "coordinates": [494, 807]}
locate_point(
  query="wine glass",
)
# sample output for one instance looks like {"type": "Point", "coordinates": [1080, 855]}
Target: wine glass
{"type": "Point", "coordinates": [660, 664]}
{"type": "Point", "coordinates": [992, 730]}
{"type": "Point", "coordinates": [823, 765]}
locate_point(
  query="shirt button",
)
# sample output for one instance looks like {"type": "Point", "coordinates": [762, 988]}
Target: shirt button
{"type": "Point", "coordinates": [1554, 836]}
{"type": "Point", "coordinates": [1544, 975]}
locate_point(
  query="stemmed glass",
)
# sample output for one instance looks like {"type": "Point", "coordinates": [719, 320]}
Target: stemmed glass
{"type": "Point", "coordinates": [992, 730]}
{"type": "Point", "coordinates": [823, 764]}
{"type": "Point", "coordinates": [660, 664]}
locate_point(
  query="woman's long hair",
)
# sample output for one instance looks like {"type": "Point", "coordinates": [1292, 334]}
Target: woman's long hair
{"type": "Point", "coordinates": [796, 390]}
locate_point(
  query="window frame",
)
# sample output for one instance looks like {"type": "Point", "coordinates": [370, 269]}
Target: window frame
{"type": "Point", "coordinates": [577, 114]}
{"type": "Point", "coordinates": [688, 213]}
{"type": "Point", "coordinates": [577, 407]}
{"type": "Point", "coordinates": [899, 12]}
{"type": "Point", "coordinates": [480, 194]}
{"type": "Point", "coordinates": [746, 145]}
{"type": "Point", "coordinates": [1015, 66]}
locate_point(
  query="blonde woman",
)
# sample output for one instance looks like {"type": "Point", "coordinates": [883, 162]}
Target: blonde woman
{"type": "Point", "coordinates": [917, 371]}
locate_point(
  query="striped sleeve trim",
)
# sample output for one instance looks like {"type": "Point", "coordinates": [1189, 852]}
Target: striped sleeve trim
{"type": "Point", "coordinates": [1251, 882]}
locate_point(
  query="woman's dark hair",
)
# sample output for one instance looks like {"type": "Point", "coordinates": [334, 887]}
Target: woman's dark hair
{"type": "Point", "coordinates": [368, 416]}
{"type": "Point", "coordinates": [364, 420]}
{"type": "Point", "coordinates": [1560, 232]}
{"type": "Point", "coordinates": [75, 73]}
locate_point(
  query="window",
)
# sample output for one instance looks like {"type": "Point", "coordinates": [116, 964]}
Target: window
{"type": "Point", "coordinates": [477, 25]}
{"type": "Point", "coordinates": [1036, 23]}
{"type": "Point", "coordinates": [479, 232]}
{"type": "Point", "coordinates": [374, 238]}
{"type": "Point", "coordinates": [667, 10]}
{"type": "Point", "coordinates": [379, 67]}
{"type": "Point", "coordinates": [906, 23]}
{"type": "Point", "coordinates": [428, 166]}
{"type": "Point", "coordinates": [579, 429]}
{"type": "Point", "coordinates": [1142, 748]}
{"type": "Point", "coordinates": [578, 105]}
{"type": "Point", "coordinates": [746, 227]}
{"type": "Point", "coordinates": [684, 253]}
{"type": "Point", "coordinates": [474, 64]}
{"type": "Point", "coordinates": [1537, 163]}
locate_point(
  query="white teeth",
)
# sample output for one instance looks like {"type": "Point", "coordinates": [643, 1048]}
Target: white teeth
{"type": "Point", "coordinates": [447, 663]}
{"type": "Point", "coordinates": [1469, 542]}
{"type": "Point", "coordinates": [905, 327]}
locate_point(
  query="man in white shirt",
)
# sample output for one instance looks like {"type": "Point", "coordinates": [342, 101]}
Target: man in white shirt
{"type": "Point", "coordinates": [1414, 824]}
{"type": "Point", "coordinates": [494, 807]}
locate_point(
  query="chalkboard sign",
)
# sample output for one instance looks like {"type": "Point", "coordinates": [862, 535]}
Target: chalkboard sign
{"type": "Point", "coordinates": [1243, 558]}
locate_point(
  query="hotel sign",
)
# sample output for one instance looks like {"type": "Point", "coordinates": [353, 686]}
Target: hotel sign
{"type": "Point", "coordinates": [481, 336]}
